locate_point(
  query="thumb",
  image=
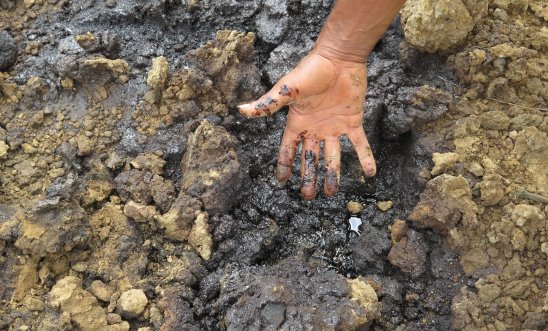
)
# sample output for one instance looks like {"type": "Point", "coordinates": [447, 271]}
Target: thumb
{"type": "Point", "coordinates": [280, 95]}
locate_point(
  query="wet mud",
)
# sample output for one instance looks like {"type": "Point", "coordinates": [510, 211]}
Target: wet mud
{"type": "Point", "coordinates": [135, 197]}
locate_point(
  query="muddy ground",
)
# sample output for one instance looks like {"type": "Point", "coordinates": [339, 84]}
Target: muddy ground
{"type": "Point", "coordinates": [133, 196]}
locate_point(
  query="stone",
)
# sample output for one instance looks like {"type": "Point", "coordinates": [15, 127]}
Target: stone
{"type": "Point", "coordinates": [524, 213]}
{"type": "Point", "coordinates": [488, 292]}
{"type": "Point", "coordinates": [178, 221]}
{"type": "Point", "coordinates": [101, 290]}
{"type": "Point", "coordinates": [494, 120]}
{"type": "Point", "coordinates": [385, 205]}
{"type": "Point", "coordinates": [473, 260]}
{"type": "Point", "coordinates": [409, 254]}
{"type": "Point", "coordinates": [132, 303]}
{"type": "Point", "coordinates": [8, 50]}
{"type": "Point", "coordinates": [433, 26]}
{"type": "Point", "coordinates": [210, 166]}
{"type": "Point", "coordinates": [150, 162]}
{"type": "Point", "coordinates": [3, 150]}
{"type": "Point", "coordinates": [412, 108]}
{"type": "Point", "coordinates": [513, 270]}
{"type": "Point", "coordinates": [476, 169]}
{"type": "Point", "coordinates": [363, 294]}
{"type": "Point", "coordinates": [200, 237]}
{"type": "Point", "coordinates": [446, 201]}
{"type": "Point", "coordinates": [139, 212]}
{"type": "Point", "coordinates": [398, 230]}
{"type": "Point", "coordinates": [491, 189]}
{"type": "Point", "coordinates": [83, 308]}
{"type": "Point", "coordinates": [354, 207]}
{"type": "Point", "coordinates": [157, 76]}
{"type": "Point", "coordinates": [85, 145]}
{"type": "Point", "coordinates": [443, 162]}
{"type": "Point", "coordinates": [519, 240]}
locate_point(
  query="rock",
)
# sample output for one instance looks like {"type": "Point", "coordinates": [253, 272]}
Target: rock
{"type": "Point", "coordinates": [200, 237]}
{"type": "Point", "coordinates": [398, 230]}
{"type": "Point", "coordinates": [433, 26]}
{"type": "Point", "coordinates": [445, 201]}
{"type": "Point", "coordinates": [487, 292]}
{"type": "Point", "coordinates": [210, 166]}
{"type": "Point", "coordinates": [513, 270]}
{"type": "Point", "coordinates": [82, 307]}
{"type": "Point", "coordinates": [177, 311]}
{"type": "Point", "coordinates": [494, 120]}
{"type": "Point", "coordinates": [104, 42]}
{"type": "Point", "coordinates": [409, 254]}
{"type": "Point", "coordinates": [157, 76]}
{"type": "Point", "coordinates": [228, 62]}
{"type": "Point", "coordinates": [526, 214]}
{"type": "Point", "coordinates": [101, 290]}
{"type": "Point", "coordinates": [412, 108]}
{"type": "Point", "coordinates": [285, 57]}
{"type": "Point", "coordinates": [8, 50]}
{"type": "Point", "coordinates": [3, 150]}
{"type": "Point", "coordinates": [117, 254]}
{"type": "Point", "coordinates": [370, 248]}
{"type": "Point", "coordinates": [53, 227]}
{"type": "Point", "coordinates": [85, 145]}
{"type": "Point", "coordinates": [519, 240]}
{"type": "Point", "coordinates": [178, 221]}
{"type": "Point", "coordinates": [139, 212]}
{"type": "Point", "coordinates": [144, 187]}
{"type": "Point", "coordinates": [443, 162]}
{"type": "Point", "coordinates": [354, 207]}
{"type": "Point", "coordinates": [473, 260]}
{"type": "Point", "coordinates": [476, 169]}
{"type": "Point", "coordinates": [385, 205]}
{"type": "Point", "coordinates": [363, 294]}
{"type": "Point", "coordinates": [150, 162]}
{"type": "Point", "coordinates": [492, 189]}
{"type": "Point", "coordinates": [272, 21]}
{"type": "Point", "coordinates": [156, 80]}
{"type": "Point", "coordinates": [132, 303]}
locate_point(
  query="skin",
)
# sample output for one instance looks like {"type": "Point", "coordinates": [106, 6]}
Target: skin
{"type": "Point", "coordinates": [322, 107]}
{"type": "Point", "coordinates": [325, 94]}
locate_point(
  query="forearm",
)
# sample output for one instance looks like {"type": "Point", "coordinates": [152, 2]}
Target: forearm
{"type": "Point", "coordinates": [354, 27]}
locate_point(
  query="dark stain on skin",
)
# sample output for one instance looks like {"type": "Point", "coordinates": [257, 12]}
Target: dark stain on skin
{"type": "Point", "coordinates": [331, 182]}
{"type": "Point", "coordinates": [264, 106]}
{"type": "Point", "coordinates": [301, 136]}
{"type": "Point", "coordinates": [309, 176]}
{"type": "Point", "coordinates": [355, 79]}
{"type": "Point", "coordinates": [287, 91]}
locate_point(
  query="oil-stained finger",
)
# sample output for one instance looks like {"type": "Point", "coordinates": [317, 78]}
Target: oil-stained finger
{"type": "Point", "coordinates": [290, 142]}
{"type": "Point", "coordinates": [280, 95]}
{"type": "Point", "coordinates": [332, 159]}
{"type": "Point", "coordinates": [309, 168]}
{"type": "Point", "coordinates": [363, 149]}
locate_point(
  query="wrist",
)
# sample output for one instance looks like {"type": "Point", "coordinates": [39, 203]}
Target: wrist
{"type": "Point", "coordinates": [334, 53]}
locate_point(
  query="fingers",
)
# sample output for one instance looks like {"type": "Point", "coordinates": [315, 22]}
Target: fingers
{"type": "Point", "coordinates": [309, 168]}
{"type": "Point", "coordinates": [280, 95]}
{"type": "Point", "coordinates": [289, 144]}
{"type": "Point", "coordinates": [332, 158]}
{"type": "Point", "coordinates": [359, 140]}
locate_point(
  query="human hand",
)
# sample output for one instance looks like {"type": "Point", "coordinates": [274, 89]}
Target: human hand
{"type": "Point", "coordinates": [325, 98]}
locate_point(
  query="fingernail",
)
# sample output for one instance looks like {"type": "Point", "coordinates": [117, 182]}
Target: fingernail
{"type": "Point", "coordinates": [245, 105]}
{"type": "Point", "coordinates": [282, 173]}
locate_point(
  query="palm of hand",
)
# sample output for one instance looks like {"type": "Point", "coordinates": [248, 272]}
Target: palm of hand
{"type": "Point", "coordinates": [325, 98]}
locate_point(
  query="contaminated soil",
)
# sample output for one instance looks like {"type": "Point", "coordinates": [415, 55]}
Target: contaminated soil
{"type": "Point", "coordinates": [133, 196]}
